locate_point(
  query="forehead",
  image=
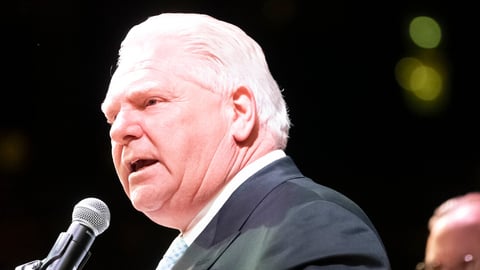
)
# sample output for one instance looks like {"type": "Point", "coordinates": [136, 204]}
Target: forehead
{"type": "Point", "coordinates": [144, 66]}
{"type": "Point", "coordinates": [139, 78]}
{"type": "Point", "coordinates": [124, 82]}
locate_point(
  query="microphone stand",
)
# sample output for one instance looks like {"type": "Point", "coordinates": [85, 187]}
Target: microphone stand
{"type": "Point", "coordinates": [60, 246]}
{"type": "Point", "coordinates": [33, 265]}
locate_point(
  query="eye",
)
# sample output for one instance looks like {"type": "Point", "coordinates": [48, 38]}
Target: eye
{"type": "Point", "coordinates": [151, 102]}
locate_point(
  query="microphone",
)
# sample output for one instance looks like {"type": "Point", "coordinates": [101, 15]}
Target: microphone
{"type": "Point", "coordinates": [90, 218]}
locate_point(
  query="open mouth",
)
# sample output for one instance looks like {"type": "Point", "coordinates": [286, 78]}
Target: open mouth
{"type": "Point", "coordinates": [139, 164]}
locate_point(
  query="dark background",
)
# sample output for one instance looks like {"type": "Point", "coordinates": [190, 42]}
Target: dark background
{"type": "Point", "coordinates": [353, 129]}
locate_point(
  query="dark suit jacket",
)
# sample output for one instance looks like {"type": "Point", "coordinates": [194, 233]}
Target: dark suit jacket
{"type": "Point", "coordinates": [280, 219]}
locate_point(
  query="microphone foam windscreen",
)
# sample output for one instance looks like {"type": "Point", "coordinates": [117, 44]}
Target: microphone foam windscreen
{"type": "Point", "coordinates": [92, 213]}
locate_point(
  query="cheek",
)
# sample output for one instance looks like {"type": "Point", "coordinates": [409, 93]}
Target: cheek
{"type": "Point", "coordinates": [116, 156]}
{"type": "Point", "coordinates": [117, 162]}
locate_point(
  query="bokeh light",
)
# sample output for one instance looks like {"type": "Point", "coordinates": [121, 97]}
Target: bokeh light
{"type": "Point", "coordinates": [425, 32]}
{"type": "Point", "coordinates": [423, 75]}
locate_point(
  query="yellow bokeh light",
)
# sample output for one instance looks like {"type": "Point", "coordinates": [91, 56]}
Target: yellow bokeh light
{"type": "Point", "coordinates": [13, 151]}
{"type": "Point", "coordinates": [426, 83]}
{"type": "Point", "coordinates": [425, 32]}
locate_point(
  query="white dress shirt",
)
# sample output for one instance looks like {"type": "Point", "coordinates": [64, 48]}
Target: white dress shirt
{"type": "Point", "coordinates": [208, 212]}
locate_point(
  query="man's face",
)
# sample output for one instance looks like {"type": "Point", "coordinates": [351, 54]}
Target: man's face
{"type": "Point", "coordinates": [170, 137]}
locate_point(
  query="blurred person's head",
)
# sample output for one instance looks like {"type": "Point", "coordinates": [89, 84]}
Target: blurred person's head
{"type": "Point", "coordinates": [454, 235]}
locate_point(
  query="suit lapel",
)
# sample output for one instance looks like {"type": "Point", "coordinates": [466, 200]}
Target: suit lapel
{"type": "Point", "coordinates": [227, 224]}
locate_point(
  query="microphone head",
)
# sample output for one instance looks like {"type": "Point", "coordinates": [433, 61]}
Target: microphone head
{"type": "Point", "coordinates": [92, 213]}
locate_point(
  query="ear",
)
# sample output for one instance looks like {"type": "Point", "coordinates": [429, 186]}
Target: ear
{"type": "Point", "coordinates": [245, 111]}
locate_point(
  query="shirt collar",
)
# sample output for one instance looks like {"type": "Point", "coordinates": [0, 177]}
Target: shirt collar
{"type": "Point", "coordinates": [210, 210]}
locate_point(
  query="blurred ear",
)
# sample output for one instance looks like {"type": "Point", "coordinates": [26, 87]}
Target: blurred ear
{"type": "Point", "coordinates": [244, 113]}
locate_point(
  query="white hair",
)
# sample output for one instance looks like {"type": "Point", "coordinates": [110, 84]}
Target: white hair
{"type": "Point", "coordinates": [224, 58]}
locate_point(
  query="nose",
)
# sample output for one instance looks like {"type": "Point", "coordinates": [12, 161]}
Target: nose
{"type": "Point", "coordinates": [126, 127]}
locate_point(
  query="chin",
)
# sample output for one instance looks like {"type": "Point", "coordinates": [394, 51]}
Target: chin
{"type": "Point", "coordinates": [145, 200]}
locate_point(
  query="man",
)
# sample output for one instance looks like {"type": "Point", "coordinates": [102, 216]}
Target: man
{"type": "Point", "coordinates": [198, 130]}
